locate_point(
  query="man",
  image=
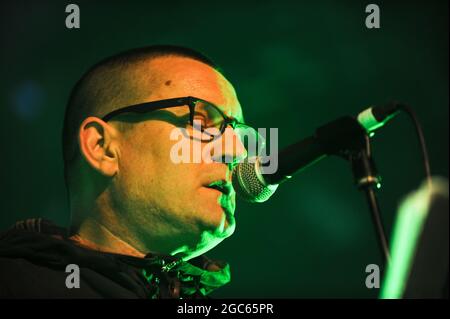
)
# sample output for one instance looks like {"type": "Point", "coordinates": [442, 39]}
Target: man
{"type": "Point", "coordinates": [140, 219]}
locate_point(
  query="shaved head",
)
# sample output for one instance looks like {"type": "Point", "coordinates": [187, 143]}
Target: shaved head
{"type": "Point", "coordinates": [123, 79]}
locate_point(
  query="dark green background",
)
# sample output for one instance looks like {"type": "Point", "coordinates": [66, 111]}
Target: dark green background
{"type": "Point", "coordinates": [295, 65]}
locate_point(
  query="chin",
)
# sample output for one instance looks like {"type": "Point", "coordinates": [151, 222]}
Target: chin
{"type": "Point", "coordinates": [212, 233]}
{"type": "Point", "coordinates": [218, 221]}
{"type": "Point", "coordinates": [207, 242]}
{"type": "Point", "coordinates": [217, 213]}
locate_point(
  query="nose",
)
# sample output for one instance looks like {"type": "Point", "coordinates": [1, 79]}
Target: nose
{"type": "Point", "coordinates": [232, 151]}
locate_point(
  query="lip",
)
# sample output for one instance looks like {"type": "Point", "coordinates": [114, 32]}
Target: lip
{"type": "Point", "coordinates": [227, 202]}
{"type": "Point", "coordinates": [222, 186]}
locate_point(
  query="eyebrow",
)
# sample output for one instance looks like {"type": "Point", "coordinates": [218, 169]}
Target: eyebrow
{"type": "Point", "coordinates": [239, 119]}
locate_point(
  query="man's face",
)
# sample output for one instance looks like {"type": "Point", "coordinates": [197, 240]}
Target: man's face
{"type": "Point", "coordinates": [168, 206]}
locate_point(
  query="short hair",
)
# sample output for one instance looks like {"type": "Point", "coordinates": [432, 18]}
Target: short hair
{"type": "Point", "coordinates": [85, 95]}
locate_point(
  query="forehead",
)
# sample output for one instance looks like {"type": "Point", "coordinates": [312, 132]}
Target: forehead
{"type": "Point", "coordinates": [179, 77]}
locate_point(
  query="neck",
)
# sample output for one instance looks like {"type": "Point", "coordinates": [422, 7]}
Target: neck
{"type": "Point", "coordinates": [96, 236]}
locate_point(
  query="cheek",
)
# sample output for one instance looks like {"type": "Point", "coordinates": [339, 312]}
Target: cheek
{"type": "Point", "coordinates": [148, 170]}
{"type": "Point", "coordinates": [147, 152]}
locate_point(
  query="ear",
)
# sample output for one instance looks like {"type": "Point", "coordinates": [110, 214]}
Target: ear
{"type": "Point", "coordinates": [98, 145]}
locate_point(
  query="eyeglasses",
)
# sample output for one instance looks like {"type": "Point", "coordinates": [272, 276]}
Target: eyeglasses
{"type": "Point", "coordinates": [206, 121]}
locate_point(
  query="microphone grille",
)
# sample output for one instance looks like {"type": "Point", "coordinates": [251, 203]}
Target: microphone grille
{"type": "Point", "coordinates": [249, 183]}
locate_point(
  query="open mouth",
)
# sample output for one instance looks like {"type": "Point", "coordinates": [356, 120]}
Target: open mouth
{"type": "Point", "coordinates": [222, 186]}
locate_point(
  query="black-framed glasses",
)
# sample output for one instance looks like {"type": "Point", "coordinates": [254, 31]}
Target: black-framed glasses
{"type": "Point", "coordinates": [207, 122]}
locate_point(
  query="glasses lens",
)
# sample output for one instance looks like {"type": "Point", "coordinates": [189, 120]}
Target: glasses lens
{"type": "Point", "coordinates": [207, 121]}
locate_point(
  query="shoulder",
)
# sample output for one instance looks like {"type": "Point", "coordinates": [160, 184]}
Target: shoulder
{"type": "Point", "coordinates": [20, 278]}
{"type": "Point", "coordinates": [33, 264]}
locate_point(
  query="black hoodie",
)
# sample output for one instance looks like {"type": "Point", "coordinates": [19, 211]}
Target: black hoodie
{"type": "Point", "coordinates": [35, 254]}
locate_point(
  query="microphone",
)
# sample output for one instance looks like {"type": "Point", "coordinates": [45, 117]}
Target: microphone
{"type": "Point", "coordinates": [344, 134]}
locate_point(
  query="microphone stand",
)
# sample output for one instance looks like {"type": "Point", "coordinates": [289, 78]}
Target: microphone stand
{"type": "Point", "coordinates": [345, 137]}
{"type": "Point", "coordinates": [368, 180]}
